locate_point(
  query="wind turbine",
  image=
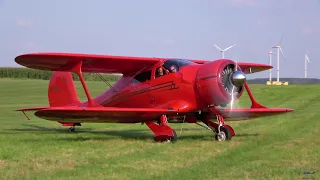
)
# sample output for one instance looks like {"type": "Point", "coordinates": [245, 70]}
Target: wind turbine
{"type": "Point", "coordinates": [278, 60]}
{"type": "Point", "coordinates": [223, 50]}
{"type": "Point", "coordinates": [270, 63]}
{"type": "Point", "coordinates": [306, 60]}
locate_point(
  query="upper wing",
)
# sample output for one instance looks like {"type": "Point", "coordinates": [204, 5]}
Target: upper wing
{"type": "Point", "coordinates": [246, 67]}
{"type": "Point", "coordinates": [253, 67]}
{"type": "Point", "coordinates": [106, 64]}
{"type": "Point", "coordinates": [91, 63]}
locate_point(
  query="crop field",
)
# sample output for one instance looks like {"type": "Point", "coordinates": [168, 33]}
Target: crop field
{"type": "Point", "coordinates": [279, 147]}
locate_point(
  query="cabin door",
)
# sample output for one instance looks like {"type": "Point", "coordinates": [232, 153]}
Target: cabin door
{"type": "Point", "coordinates": [164, 88]}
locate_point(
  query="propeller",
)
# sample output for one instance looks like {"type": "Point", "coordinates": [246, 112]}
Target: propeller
{"type": "Point", "coordinates": [233, 80]}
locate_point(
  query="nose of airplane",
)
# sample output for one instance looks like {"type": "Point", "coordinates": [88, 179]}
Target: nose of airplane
{"type": "Point", "coordinates": [238, 78]}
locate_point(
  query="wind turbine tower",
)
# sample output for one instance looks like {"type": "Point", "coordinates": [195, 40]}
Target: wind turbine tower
{"type": "Point", "coordinates": [223, 50]}
{"type": "Point", "coordinates": [278, 60]}
{"type": "Point", "coordinates": [270, 63]}
{"type": "Point", "coordinates": [306, 60]}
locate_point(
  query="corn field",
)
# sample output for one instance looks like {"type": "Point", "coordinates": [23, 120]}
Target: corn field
{"type": "Point", "coordinates": [26, 73]}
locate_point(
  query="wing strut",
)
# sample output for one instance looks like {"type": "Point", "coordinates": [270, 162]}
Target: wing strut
{"type": "Point", "coordinates": [254, 103]}
{"type": "Point", "coordinates": [77, 69]}
{"type": "Point", "coordinates": [103, 79]}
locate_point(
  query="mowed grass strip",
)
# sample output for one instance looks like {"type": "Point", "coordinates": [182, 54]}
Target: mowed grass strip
{"type": "Point", "coordinates": [278, 147]}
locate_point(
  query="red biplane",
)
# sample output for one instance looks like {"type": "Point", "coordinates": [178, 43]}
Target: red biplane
{"type": "Point", "coordinates": [154, 91]}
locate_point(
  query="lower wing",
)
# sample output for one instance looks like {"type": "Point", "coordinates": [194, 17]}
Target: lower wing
{"type": "Point", "coordinates": [249, 113]}
{"type": "Point", "coordinates": [99, 114]}
{"type": "Point", "coordinates": [135, 115]}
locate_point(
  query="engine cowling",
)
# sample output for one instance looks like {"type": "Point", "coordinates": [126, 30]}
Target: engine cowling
{"type": "Point", "coordinates": [217, 80]}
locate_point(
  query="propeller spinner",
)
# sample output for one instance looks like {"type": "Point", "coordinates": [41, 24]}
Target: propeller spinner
{"type": "Point", "coordinates": [232, 78]}
{"type": "Point", "coordinates": [238, 78]}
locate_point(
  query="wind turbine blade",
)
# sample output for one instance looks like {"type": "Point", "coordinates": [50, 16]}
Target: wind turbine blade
{"type": "Point", "coordinates": [307, 58]}
{"type": "Point", "coordinates": [228, 47]}
{"type": "Point", "coordinates": [218, 47]}
{"type": "Point", "coordinates": [282, 53]}
{"type": "Point", "coordinates": [270, 52]}
{"type": "Point", "coordinates": [281, 39]}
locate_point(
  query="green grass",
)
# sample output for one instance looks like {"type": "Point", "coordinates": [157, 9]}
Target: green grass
{"type": "Point", "coordinates": [27, 73]}
{"type": "Point", "coordinates": [279, 147]}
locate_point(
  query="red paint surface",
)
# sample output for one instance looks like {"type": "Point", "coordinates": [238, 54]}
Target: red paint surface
{"type": "Point", "coordinates": [195, 87]}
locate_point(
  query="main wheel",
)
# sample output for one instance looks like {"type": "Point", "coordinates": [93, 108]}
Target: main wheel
{"type": "Point", "coordinates": [72, 129]}
{"type": "Point", "coordinates": [224, 134]}
{"type": "Point", "coordinates": [174, 138]}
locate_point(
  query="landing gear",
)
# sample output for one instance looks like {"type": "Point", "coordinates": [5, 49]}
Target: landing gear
{"type": "Point", "coordinates": [222, 131]}
{"type": "Point", "coordinates": [224, 134]}
{"type": "Point", "coordinates": [72, 129]}
{"type": "Point", "coordinates": [173, 138]}
{"type": "Point", "coordinates": [162, 132]}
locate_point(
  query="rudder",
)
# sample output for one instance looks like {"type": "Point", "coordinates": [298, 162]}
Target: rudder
{"type": "Point", "coordinates": [62, 91]}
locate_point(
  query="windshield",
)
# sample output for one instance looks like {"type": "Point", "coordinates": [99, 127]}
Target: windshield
{"type": "Point", "coordinates": [174, 65]}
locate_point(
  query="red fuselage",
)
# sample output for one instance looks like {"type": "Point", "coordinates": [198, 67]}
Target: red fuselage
{"type": "Point", "coordinates": [149, 89]}
{"type": "Point", "coordinates": [194, 87]}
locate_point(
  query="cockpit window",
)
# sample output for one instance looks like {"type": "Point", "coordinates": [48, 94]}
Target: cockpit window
{"type": "Point", "coordinates": [174, 65]}
{"type": "Point", "coordinates": [142, 77]}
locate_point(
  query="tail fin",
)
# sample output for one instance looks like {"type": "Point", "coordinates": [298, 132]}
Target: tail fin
{"type": "Point", "coordinates": [61, 91]}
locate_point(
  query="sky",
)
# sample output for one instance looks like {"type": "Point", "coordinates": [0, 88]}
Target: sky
{"type": "Point", "coordinates": [167, 28]}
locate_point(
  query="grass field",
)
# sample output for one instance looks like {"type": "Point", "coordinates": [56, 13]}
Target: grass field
{"type": "Point", "coordinates": [279, 147]}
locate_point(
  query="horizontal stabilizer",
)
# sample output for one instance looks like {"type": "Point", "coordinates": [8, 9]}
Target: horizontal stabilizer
{"type": "Point", "coordinates": [33, 109]}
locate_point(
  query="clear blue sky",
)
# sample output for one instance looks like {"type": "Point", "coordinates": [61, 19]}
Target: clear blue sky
{"type": "Point", "coordinates": [166, 28]}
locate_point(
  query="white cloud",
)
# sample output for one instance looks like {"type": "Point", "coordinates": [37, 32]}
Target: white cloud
{"type": "Point", "coordinates": [261, 22]}
{"type": "Point", "coordinates": [244, 2]}
{"type": "Point", "coordinates": [22, 22]}
{"type": "Point", "coordinates": [169, 41]}
{"type": "Point", "coordinates": [30, 44]}
{"type": "Point", "coordinates": [307, 30]}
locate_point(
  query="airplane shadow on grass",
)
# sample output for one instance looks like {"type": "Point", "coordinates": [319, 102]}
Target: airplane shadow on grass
{"type": "Point", "coordinates": [137, 134]}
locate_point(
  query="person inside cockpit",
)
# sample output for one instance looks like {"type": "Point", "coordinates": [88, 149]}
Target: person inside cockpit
{"type": "Point", "coordinates": [160, 72]}
{"type": "Point", "coordinates": [173, 69]}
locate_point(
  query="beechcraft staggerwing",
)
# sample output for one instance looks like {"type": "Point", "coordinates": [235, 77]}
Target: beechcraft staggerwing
{"type": "Point", "coordinates": [154, 91]}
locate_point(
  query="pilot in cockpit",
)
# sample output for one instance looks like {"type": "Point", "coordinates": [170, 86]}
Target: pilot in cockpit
{"type": "Point", "coordinates": [173, 69]}
{"type": "Point", "coordinates": [160, 72]}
